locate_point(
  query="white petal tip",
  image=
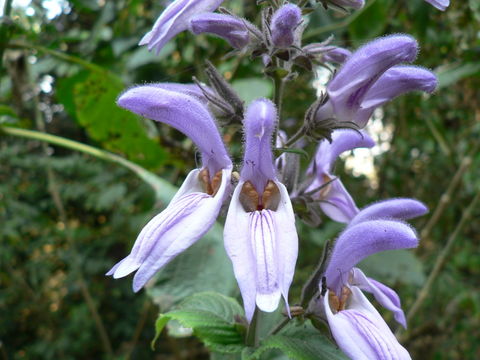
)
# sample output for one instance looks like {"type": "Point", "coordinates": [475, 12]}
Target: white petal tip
{"type": "Point", "coordinates": [125, 268]}
{"type": "Point", "coordinates": [268, 302]}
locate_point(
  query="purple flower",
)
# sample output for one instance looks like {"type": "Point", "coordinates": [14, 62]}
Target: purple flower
{"type": "Point", "coordinates": [335, 201]}
{"type": "Point", "coordinates": [284, 24]}
{"type": "Point", "coordinates": [355, 324]}
{"type": "Point", "coordinates": [327, 53]}
{"type": "Point", "coordinates": [370, 77]}
{"type": "Point", "coordinates": [196, 205]}
{"type": "Point", "coordinates": [360, 331]}
{"type": "Point", "coordinates": [227, 27]}
{"type": "Point", "coordinates": [260, 235]}
{"type": "Point", "coordinates": [439, 4]}
{"type": "Point", "coordinates": [175, 19]}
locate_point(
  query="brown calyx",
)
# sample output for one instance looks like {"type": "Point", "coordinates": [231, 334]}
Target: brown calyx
{"type": "Point", "coordinates": [252, 201]}
{"type": "Point", "coordinates": [210, 186]}
{"type": "Point", "coordinates": [336, 303]}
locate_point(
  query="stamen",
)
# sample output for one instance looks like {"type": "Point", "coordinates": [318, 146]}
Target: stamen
{"type": "Point", "coordinates": [210, 187]}
{"type": "Point", "coordinates": [328, 186]}
{"type": "Point", "coordinates": [338, 304]}
{"type": "Point", "coordinates": [252, 201]}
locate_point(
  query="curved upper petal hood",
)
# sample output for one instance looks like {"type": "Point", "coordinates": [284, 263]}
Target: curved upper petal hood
{"type": "Point", "coordinates": [186, 114]}
{"type": "Point", "coordinates": [228, 27]}
{"type": "Point", "coordinates": [360, 331]}
{"type": "Point", "coordinates": [175, 19]}
{"type": "Point", "coordinates": [260, 121]}
{"type": "Point", "coordinates": [395, 209]}
{"type": "Point", "coordinates": [188, 217]}
{"type": "Point", "coordinates": [342, 140]}
{"type": "Point", "coordinates": [362, 240]}
{"type": "Point", "coordinates": [394, 82]}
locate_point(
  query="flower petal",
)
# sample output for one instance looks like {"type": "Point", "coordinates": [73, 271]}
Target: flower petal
{"type": "Point", "coordinates": [395, 209]}
{"type": "Point", "coordinates": [362, 240]}
{"type": "Point", "coordinates": [228, 27]}
{"type": "Point", "coordinates": [183, 112]}
{"type": "Point", "coordinates": [439, 4]}
{"type": "Point", "coordinates": [394, 82]}
{"type": "Point", "coordinates": [187, 218]}
{"type": "Point", "coordinates": [352, 82]}
{"type": "Point", "coordinates": [382, 293]}
{"type": "Point", "coordinates": [361, 333]}
{"type": "Point", "coordinates": [263, 241]}
{"type": "Point", "coordinates": [284, 24]}
{"type": "Point", "coordinates": [186, 89]}
{"type": "Point", "coordinates": [175, 19]}
{"type": "Point", "coordinates": [337, 204]}
{"type": "Point", "coordinates": [237, 244]}
{"type": "Point", "coordinates": [287, 241]}
{"type": "Point", "coordinates": [260, 121]}
{"type": "Point", "coordinates": [342, 140]}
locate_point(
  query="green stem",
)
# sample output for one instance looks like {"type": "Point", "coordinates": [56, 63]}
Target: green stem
{"type": "Point", "coordinates": [252, 332]}
{"type": "Point", "coordinates": [151, 179]}
{"type": "Point", "coordinates": [279, 326]}
{"type": "Point", "coordinates": [338, 25]}
{"type": "Point", "coordinates": [297, 136]}
{"type": "Point", "coordinates": [441, 259]}
{"type": "Point", "coordinates": [58, 54]}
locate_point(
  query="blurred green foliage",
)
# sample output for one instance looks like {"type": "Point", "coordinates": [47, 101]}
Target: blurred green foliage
{"type": "Point", "coordinates": [67, 218]}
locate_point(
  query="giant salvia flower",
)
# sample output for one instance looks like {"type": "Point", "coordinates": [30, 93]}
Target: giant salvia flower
{"type": "Point", "coordinates": [230, 28]}
{"type": "Point", "coordinates": [196, 205]}
{"type": "Point", "coordinates": [371, 77]}
{"type": "Point", "coordinates": [175, 19]}
{"type": "Point", "coordinates": [357, 327]}
{"type": "Point", "coordinates": [260, 235]}
{"type": "Point", "coordinates": [335, 201]}
{"type": "Point", "coordinates": [284, 24]}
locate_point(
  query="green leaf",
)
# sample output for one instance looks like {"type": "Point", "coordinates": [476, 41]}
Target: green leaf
{"type": "Point", "coordinates": [394, 265]}
{"type": "Point", "coordinates": [203, 267]}
{"type": "Point", "coordinates": [142, 56]}
{"type": "Point", "coordinates": [451, 74]}
{"type": "Point", "coordinates": [253, 88]}
{"type": "Point", "coordinates": [212, 317]}
{"type": "Point", "coordinates": [116, 129]}
{"type": "Point", "coordinates": [300, 343]}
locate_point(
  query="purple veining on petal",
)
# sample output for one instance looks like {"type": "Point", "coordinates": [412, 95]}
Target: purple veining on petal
{"type": "Point", "coordinates": [175, 19]}
{"type": "Point", "coordinates": [260, 121]}
{"type": "Point", "coordinates": [360, 331]}
{"type": "Point", "coordinates": [386, 297]}
{"type": "Point", "coordinates": [186, 114]}
{"type": "Point", "coordinates": [228, 27]}
{"type": "Point", "coordinates": [263, 242]}
{"type": "Point", "coordinates": [362, 240]}
{"type": "Point", "coordinates": [162, 223]}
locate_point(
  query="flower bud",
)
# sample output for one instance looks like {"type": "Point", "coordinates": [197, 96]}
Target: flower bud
{"type": "Point", "coordinates": [284, 23]}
